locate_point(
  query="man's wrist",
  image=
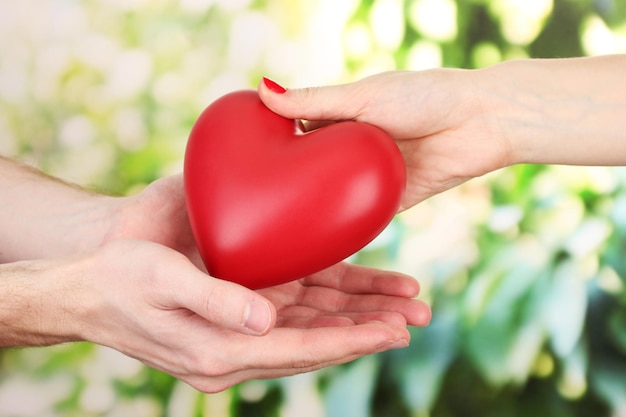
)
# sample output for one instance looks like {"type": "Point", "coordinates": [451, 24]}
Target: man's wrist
{"type": "Point", "coordinates": [73, 227]}
{"type": "Point", "coordinates": [46, 218]}
{"type": "Point", "coordinates": [39, 303]}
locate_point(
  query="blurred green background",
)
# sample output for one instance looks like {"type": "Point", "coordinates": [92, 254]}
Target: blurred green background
{"type": "Point", "coordinates": [525, 268]}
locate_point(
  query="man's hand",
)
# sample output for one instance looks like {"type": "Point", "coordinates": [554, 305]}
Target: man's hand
{"type": "Point", "coordinates": [151, 303]}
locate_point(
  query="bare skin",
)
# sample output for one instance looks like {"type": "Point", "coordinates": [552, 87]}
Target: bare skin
{"type": "Point", "coordinates": [125, 273]}
{"type": "Point", "coordinates": [453, 125]}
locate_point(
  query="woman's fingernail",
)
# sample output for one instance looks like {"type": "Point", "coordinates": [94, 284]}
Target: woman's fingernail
{"type": "Point", "coordinates": [274, 86]}
{"type": "Point", "coordinates": [258, 316]}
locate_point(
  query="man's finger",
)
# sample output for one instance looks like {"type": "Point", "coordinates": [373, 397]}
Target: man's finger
{"type": "Point", "coordinates": [224, 303]}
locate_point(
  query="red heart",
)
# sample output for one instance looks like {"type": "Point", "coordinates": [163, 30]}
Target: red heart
{"type": "Point", "coordinates": [269, 205]}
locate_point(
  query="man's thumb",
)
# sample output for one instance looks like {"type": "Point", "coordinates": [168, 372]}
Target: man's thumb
{"type": "Point", "coordinates": [311, 103]}
{"type": "Point", "coordinates": [227, 304]}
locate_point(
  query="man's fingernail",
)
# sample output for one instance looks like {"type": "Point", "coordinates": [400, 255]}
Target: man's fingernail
{"type": "Point", "coordinates": [426, 317]}
{"type": "Point", "coordinates": [400, 344]}
{"type": "Point", "coordinates": [274, 86]}
{"type": "Point", "coordinates": [258, 316]}
{"type": "Point", "coordinates": [393, 344]}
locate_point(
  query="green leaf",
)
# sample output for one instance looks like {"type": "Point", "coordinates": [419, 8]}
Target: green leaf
{"type": "Point", "coordinates": [349, 393]}
{"type": "Point", "coordinates": [565, 306]}
{"type": "Point", "coordinates": [617, 327]}
{"type": "Point", "coordinates": [507, 337]}
{"type": "Point", "coordinates": [421, 367]}
{"type": "Point", "coordinates": [609, 383]}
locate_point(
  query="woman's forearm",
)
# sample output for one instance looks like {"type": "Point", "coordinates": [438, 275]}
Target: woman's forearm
{"type": "Point", "coordinates": [41, 217]}
{"type": "Point", "coordinates": [561, 111]}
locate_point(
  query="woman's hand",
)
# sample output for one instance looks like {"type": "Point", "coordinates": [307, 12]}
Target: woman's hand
{"type": "Point", "coordinates": [452, 125]}
{"type": "Point", "coordinates": [434, 116]}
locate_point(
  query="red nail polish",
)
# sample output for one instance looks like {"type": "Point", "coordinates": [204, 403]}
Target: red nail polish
{"type": "Point", "coordinates": [274, 86]}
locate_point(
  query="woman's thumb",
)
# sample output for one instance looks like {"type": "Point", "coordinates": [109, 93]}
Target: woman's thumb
{"type": "Point", "coordinates": [312, 103]}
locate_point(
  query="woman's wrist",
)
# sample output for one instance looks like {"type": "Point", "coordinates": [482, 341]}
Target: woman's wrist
{"type": "Point", "coordinates": [559, 111]}
{"type": "Point", "coordinates": [512, 112]}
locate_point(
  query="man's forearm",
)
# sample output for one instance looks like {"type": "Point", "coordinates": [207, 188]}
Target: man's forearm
{"type": "Point", "coordinates": [36, 301]}
{"type": "Point", "coordinates": [41, 217]}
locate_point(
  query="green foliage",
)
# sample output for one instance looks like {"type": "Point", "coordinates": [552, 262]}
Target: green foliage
{"type": "Point", "coordinates": [525, 269]}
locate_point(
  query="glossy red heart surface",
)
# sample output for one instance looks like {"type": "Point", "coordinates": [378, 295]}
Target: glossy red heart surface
{"type": "Point", "coordinates": [268, 204]}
